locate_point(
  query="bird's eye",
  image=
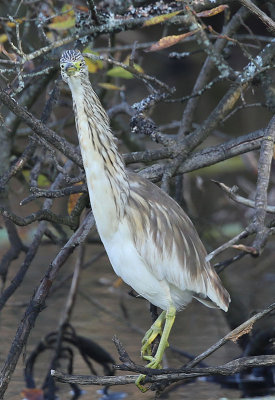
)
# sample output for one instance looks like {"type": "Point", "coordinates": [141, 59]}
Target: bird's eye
{"type": "Point", "coordinates": [81, 64]}
{"type": "Point", "coordinates": [62, 66]}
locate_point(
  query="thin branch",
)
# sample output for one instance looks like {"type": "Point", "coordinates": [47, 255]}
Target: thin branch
{"type": "Point", "coordinates": [234, 335]}
{"type": "Point", "coordinates": [16, 246]}
{"type": "Point", "coordinates": [246, 232]}
{"type": "Point", "coordinates": [264, 167]}
{"type": "Point", "coordinates": [18, 278]}
{"type": "Point", "coordinates": [260, 14]}
{"type": "Point", "coordinates": [205, 72]}
{"type": "Point", "coordinates": [37, 303]}
{"type": "Point", "coordinates": [66, 313]}
{"type": "Point", "coordinates": [142, 76]}
{"type": "Point", "coordinates": [219, 267]}
{"type": "Point", "coordinates": [231, 192]}
{"type": "Point", "coordinates": [93, 10]}
{"type": "Point", "coordinates": [33, 248]}
{"type": "Point", "coordinates": [53, 194]}
{"type": "Point", "coordinates": [40, 215]}
{"type": "Point", "coordinates": [209, 156]}
{"type": "Point", "coordinates": [230, 98]}
{"type": "Point", "coordinates": [241, 107]}
{"type": "Point", "coordinates": [202, 38]}
{"type": "Point", "coordinates": [41, 129]}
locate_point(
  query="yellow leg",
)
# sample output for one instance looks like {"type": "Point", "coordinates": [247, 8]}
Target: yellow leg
{"type": "Point", "coordinates": [155, 362]}
{"type": "Point", "coordinates": [151, 334]}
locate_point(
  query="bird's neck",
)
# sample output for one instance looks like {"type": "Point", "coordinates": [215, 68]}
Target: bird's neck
{"type": "Point", "coordinates": [105, 172]}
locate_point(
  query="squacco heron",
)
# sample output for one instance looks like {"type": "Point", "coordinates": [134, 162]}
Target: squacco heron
{"type": "Point", "coordinates": [150, 241]}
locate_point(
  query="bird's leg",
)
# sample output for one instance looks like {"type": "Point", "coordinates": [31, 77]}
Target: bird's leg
{"type": "Point", "coordinates": [155, 362]}
{"type": "Point", "coordinates": [169, 320]}
{"type": "Point", "coordinates": [150, 336]}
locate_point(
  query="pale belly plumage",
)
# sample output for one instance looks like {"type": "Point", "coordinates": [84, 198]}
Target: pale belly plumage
{"type": "Point", "coordinates": [130, 266]}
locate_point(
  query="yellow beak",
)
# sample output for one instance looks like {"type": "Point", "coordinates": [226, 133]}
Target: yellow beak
{"type": "Point", "coordinates": [70, 69]}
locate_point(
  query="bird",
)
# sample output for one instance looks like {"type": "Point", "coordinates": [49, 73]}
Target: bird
{"type": "Point", "coordinates": [149, 239]}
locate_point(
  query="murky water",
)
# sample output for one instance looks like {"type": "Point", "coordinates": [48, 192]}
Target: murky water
{"type": "Point", "coordinates": [195, 329]}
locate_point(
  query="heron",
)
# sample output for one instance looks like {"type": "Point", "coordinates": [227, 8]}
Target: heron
{"type": "Point", "coordinates": [150, 241]}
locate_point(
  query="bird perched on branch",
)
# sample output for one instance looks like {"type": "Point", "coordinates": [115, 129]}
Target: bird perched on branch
{"type": "Point", "coordinates": [151, 243]}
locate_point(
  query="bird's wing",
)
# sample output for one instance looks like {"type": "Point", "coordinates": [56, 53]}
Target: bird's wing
{"type": "Point", "coordinates": [168, 242]}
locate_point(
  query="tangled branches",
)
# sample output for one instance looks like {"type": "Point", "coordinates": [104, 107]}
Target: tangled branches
{"type": "Point", "coordinates": [223, 113]}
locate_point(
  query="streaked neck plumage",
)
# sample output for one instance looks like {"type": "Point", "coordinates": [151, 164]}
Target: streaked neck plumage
{"type": "Point", "coordinates": [106, 175]}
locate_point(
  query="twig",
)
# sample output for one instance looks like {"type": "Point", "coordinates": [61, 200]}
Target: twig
{"type": "Point", "coordinates": [92, 8]}
{"type": "Point", "coordinates": [142, 76]}
{"type": "Point", "coordinates": [53, 194]}
{"type": "Point", "coordinates": [16, 246]}
{"type": "Point", "coordinates": [199, 92]}
{"type": "Point", "coordinates": [205, 72]}
{"type": "Point", "coordinates": [41, 129]}
{"type": "Point", "coordinates": [40, 215]}
{"type": "Point", "coordinates": [264, 167]}
{"type": "Point", "coordinates": [200, 159]}
{"type": "Point", "coordinates": [66, 313]}
{"type": "Point", "coordinates": [38, 301]}
{"type": "Point", "coordinates": [234, 335]}
{"type": "Point", "coordinates": [123, 355]}
{"type": "Point", "coordinates": [33, 248]}
{"type": "Point", "coordinates": [230, 98]}
{"type": "Point", "coordinates": [219, 267]}
{"type": "Point", "coordinates": [260, 14]}
{"type": "Point", "coordinates": [145, 126]}
{"type": "Point", "coordinates": [258, 224]}
{"type": "Point", "coordinates": [228, 244]}
{"type": "Point", "coordinates": [223, 67]}
{"type": "Point", "coordinates": [61, 283]}
{"type": "Point", "coordinates": [231, 192]}
{"type": "Point", "coordinates": [64, 320]}
{"type": "Point", "coordinates": [241, 107]}
{"type": "Point", "coordinates": [18, 278]}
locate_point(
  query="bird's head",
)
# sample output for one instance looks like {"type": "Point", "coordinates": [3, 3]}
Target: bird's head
{"type": "Point", "coordinates": [72, 64]}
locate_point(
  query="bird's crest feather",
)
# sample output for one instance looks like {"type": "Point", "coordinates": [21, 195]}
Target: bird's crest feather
{"type": "Point", "coordinates": [71, 56]}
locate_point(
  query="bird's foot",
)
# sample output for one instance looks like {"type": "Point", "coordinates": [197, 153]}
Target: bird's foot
{"type": "Point", "coordinates": [148, 339]}
{"type": "Point", "coordinates": [139, 385]}
{"type": "Point", "coordinates": [150, 336]}
{"type": "Point", "coordinates": [155, 363]}
{"type": "Point", "coordinates": [154, 331]}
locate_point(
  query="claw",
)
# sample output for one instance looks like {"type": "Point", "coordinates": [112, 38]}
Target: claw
{"type": "Point", "coordinates": [148, 358]}
{"type": "Point", "coordinates": [138, 381]}
{"type": "Point", "coordinates": [154, 364]}
{"type": "Point", "coordinates": [150, 336]}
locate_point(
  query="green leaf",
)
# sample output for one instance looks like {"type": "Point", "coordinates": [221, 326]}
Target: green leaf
{"type": "Point", "coordinates": [110, 86]}
{"type": "Point", "coordinates": [119, 72]}
{"type": "Point", "coordinates": [93, 65]}
{"type": "Point", "coordinates": [64, 21]}
{"type": "Point", "coordinates": [42, 180]}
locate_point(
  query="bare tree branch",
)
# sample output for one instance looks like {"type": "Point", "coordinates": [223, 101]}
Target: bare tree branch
{"type": "Point", "coordinates": [38, 301]}
{"type": "Point", "coordinates": [264, 166]}
{"type": "Point", "coordinates": [230, 368]}
{"type": "Point", "coordinates": [40, 129]}
{"type": "Point", "coordinates": [263, 17]}
{"type": "Point", "coordinates": [231, 192]}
